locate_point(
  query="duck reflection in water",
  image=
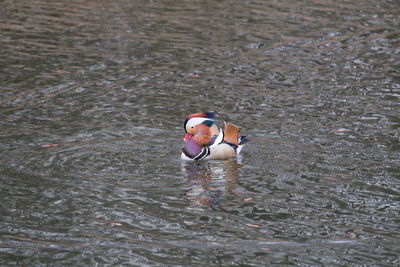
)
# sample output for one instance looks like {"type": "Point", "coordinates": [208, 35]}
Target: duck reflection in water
{"type": "Point", "coordinates": [208, 181]}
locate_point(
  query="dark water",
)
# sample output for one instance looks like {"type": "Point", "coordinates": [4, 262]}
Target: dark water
{"type": "Point", "coordinates": [93, 95]}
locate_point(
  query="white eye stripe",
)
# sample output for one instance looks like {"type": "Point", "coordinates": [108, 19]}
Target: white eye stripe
{"type": "Point", "coordinates": [194, 121]}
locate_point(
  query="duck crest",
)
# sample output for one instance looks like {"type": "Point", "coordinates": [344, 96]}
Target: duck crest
{"type": "Point", "coordinates": [204, 140]}
{"type": "Point", "coordinates": [209, 115]}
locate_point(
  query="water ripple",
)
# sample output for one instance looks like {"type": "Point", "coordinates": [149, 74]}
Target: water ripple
{"type": "Point", "coordinates": [92, 101]}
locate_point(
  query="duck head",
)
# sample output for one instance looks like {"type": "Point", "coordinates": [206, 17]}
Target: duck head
{"type": "Point", "coordinates": [199, 128]}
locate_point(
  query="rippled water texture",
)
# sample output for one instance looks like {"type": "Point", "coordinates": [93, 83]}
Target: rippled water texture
{"type": "Point", "coordinates": [93, 95]}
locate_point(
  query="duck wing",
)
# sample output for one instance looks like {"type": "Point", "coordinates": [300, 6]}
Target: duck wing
{"type": "Point", "coordinates": [231, 133]}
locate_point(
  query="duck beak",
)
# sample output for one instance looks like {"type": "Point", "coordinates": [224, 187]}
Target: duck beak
{"type": "Point", "coordinates": [187, 137]}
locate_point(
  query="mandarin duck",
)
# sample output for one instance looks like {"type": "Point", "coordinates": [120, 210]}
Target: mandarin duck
{"type": "Point", "coordinates": [205, 141]}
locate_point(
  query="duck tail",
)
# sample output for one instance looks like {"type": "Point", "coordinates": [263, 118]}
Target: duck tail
{"type": "Point", "coordinates": [242, 140]}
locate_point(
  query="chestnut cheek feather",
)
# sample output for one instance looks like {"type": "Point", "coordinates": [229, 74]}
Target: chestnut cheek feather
{"type": "Point", "coordinates": [203, 135]}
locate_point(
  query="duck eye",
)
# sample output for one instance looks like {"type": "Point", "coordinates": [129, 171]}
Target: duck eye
{"type": "Point", "coordinates": [192, 127]}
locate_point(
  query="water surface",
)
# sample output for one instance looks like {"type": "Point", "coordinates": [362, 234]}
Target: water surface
{"type": "Point", "coordinates": [93, 96]}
